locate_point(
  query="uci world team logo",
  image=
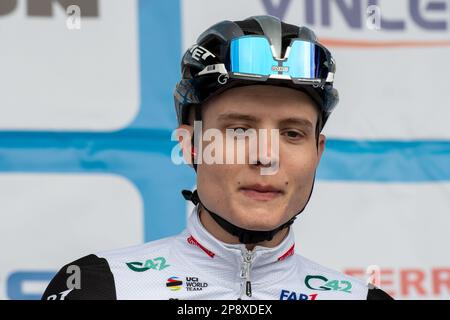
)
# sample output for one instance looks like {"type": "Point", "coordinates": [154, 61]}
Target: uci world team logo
{"type": "Point", "coordinates": [321, 283]}
{"type": "Point", "coordinates": [174, 283]}
{"type": "Point", "coordinates": [191, 284]}
{"type": "Point", "coordinates": [150, 264]}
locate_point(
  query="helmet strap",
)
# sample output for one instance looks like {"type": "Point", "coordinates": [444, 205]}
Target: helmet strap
{"type": "Point", "coordinates": [194, 155]}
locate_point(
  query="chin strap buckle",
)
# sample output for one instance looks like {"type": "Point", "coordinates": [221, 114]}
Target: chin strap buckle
{"type": "Point", "coordinates": [191, 196]}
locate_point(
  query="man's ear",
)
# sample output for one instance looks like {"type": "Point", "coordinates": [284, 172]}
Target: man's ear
{"type": "Point", "coordinates": [184, 134]}
{"type": "Point", "coordinates": [321, 147]}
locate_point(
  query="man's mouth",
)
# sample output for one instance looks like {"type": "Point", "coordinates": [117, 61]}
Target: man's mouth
{"type": "Point", "coordinates": [261, 192]}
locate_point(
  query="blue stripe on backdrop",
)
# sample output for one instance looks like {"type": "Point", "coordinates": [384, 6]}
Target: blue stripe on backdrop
{"type": "Point", "coordinates": [386, 161]}
{"type": "Point", "coordinates": [343, 160]}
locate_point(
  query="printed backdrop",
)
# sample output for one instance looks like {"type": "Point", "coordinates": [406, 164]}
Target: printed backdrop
{"type": "Point", "coordinates": [86, 117]}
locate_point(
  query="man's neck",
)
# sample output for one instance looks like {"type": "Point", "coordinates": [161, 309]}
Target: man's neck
{"type": "Point", "coordinates": [222, 235]}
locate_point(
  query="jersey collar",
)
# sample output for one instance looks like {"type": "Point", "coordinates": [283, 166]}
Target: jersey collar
{"type": "Point", "coordinates": [209, 252]}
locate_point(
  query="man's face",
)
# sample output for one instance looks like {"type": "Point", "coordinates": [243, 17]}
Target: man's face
{"type": "Point", "coordinates": [239, 192]}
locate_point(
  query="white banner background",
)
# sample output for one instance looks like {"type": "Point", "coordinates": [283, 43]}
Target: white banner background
{"type": "Point", "coordinates": [65, 196]}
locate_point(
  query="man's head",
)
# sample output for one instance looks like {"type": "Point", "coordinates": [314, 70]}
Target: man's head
{"type": "Point", "coordinates": [262, 74]}
{"type": "Point", "coordinates": [239, 192]}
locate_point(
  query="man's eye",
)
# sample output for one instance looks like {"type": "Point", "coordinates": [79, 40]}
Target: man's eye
{"type": "Point", "coordinates": [239, 129]}
{"type": "Point", "coordinates": [292, 134]}
{"type": "Point", "coordinates": [240, 132]}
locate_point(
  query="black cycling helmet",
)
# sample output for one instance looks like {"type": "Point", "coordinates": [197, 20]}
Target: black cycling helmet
{"type": "Point", "coordinates": [205, 66]}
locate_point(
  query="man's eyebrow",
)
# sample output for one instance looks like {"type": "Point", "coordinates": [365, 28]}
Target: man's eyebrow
{"type": "Point", "coordinates": [237, 116]}
{"type": "Point", "coordinates": [247, 117]}
{"type": "Point", "coordinates": [298, 121]}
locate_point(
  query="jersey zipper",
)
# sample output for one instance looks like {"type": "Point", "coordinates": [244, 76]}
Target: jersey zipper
{"type": "Point", "coordinates": [246, 284]}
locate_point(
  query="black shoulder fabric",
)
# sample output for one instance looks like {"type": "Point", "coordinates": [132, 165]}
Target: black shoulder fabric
{"type": "Point", "coordinates": [378, 294]}
{"type": "Point", "coordinates": [96, 281]}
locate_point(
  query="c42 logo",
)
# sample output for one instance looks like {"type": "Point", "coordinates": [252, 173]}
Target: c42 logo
{"type": "Point", "coordinates": [321, 283]}
{"type": "Point", "coordinates": [154, 264]}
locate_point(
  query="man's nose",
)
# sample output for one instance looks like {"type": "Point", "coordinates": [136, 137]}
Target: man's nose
{"type": "Point", "coordinates": [268, 147]}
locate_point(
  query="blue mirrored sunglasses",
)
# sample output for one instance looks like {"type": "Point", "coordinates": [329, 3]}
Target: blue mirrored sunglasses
{"type": "Point", "coordinates": [252, 56]}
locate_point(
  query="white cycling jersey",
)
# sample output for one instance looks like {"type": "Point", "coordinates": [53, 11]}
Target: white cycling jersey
{"type": "Point", "coordinates": [195, 265]}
